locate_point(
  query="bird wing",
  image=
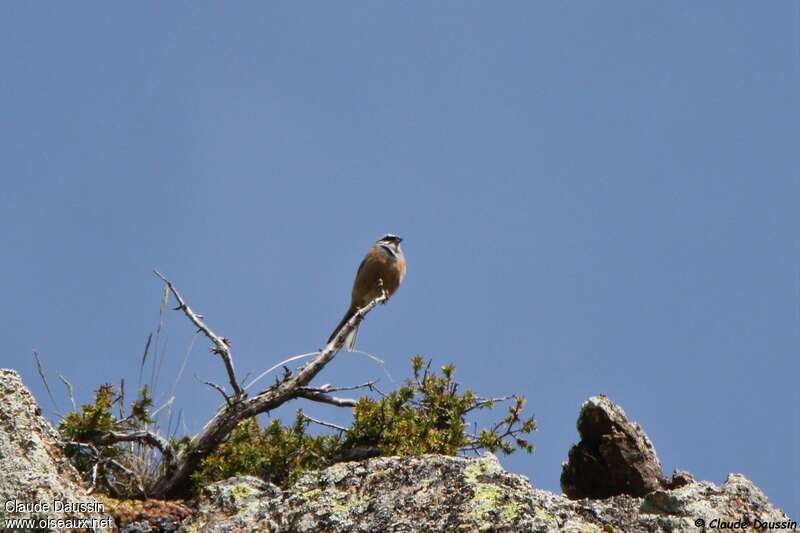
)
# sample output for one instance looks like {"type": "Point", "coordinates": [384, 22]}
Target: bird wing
{"type": "Point", "coordinates": [361, 266]}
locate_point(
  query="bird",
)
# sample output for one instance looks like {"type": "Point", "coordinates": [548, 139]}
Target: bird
{"type": "Point", "coordinates": [384, 264]}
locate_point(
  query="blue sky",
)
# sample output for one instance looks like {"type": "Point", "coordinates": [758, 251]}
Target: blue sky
{"type": "Point", "coordinates": [595, 198]}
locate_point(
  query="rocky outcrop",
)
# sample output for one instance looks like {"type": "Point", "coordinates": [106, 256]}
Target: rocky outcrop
{"type": "Point", "coordinates": [36, 480]}
{"type": "Point", "coordinates": [450, 494]}
{"type": "Point", "coordinates": [613, 457]}
{"type": "Point", "coordinates": [430, 493]}
{"type": "Point", "coordinates": [613, 481]}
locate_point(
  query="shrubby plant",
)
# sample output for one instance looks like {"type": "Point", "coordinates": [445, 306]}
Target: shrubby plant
{"type": "Point", "coordinates": [122, 469]}
{"type": "Point", "coordinates": [276, 453]}
{"type": "Point", "coordinates": [427, 414]}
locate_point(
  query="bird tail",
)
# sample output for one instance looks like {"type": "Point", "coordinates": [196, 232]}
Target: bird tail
{"type": "Point", "coordinates": [350, 340]}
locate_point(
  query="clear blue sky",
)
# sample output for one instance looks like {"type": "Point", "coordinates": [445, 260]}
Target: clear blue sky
{"type": "Point", "coordinates": [595, 197]}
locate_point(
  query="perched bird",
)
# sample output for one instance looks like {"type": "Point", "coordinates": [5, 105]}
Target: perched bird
{"type": "Point", "coordinates": [384, 263]}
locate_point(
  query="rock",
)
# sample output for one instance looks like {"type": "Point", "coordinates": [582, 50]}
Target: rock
{"type": "Point", "coordinates": [613, 457]}
{"type": "Point", "coordinates": [678, 479]}
{"type": "Point", "coordinates": [429, 493]}
{"type": "Point", "coordinates": [434, 493]}
{"type": "Point", "coordinates": [34, 472]}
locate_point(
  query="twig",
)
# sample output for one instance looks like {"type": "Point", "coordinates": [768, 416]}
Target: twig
{"type": "Point", "coordinates": [219, 389]}
{"type": "Point", "coordinates": [328, 388]}
{"type": "Point", "coordinates": [83, 445]}
{"type": "Point", "coordinates": [40, 370]}
{"type": "Point", "coordinates": [326, 424]}
{"type": "Point", "coordinates": [380, 392]}
{"type": "Point", "coordinates": [482, 402]}
{"type": "Point", "coordinates": [94, 478]}
{"type": "Point", "coordinates": [134, 475]}
{"type": "Point", "coordinates": [68, 385]}
{"type": "Point", "coordinates": [176, 482]}
{"type": "Point", "coordinates": [144, 436]}
{"type": "Point", "coordinates": [221, 344]}
{"type": "Point", "coordinates": [317, 396]}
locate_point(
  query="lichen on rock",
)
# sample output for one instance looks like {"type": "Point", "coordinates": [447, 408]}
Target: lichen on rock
{"type": "Point", "coordinates": [434, 493]}
{"type": "Point", "coordinates": [33, 468]}
{"type": "Point", "coordinates": [427, 493]}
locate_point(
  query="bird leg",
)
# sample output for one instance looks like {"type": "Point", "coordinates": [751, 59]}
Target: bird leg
{"type": "Point", "coordinates": [383, 291]}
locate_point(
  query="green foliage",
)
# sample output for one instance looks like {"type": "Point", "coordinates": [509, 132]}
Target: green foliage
{"type": "Point", "coordinates": [79, 430]}
{"type": "Point", "coordinates": [276, 453]}
{"type": "Point", "coordinates": [425, 415]}
{"type": "Point", "coordinates": [94, 418]}
{"type": "Point", "coordinates": [428, 415]}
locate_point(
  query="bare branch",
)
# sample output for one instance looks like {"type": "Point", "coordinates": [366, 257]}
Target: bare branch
{"type": "Point", "coordinates": [84, 445]}
{"type": "Point", "coordinates": [94, 478]}
{"type": "Point", "coordinates": [40, 370]}
{"type": "Point", "coordinates": [220, 390]}
{"type": "Point", "coordinates": [176, 482]}
{"type": "Point", "coordinates": [318, 396]}
{"type": "Point", "coordinates": [136, 477]}
{"type": "Point", "coordinates": [142, 436]}
{"type": "Point", "coordinates": [221, 344]}
{"type": "Point", "coordinates": [329, 388]}
{"type": "Point", "coordinates": [68, 385]}
{"type": "Point", "coordinates": [380, 392]}
{"type": "Point", "coordinates": [326, 424]}
{"type": "Point", "coordinates": [482, 402]}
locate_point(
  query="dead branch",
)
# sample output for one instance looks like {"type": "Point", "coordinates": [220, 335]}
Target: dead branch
{"type": "Point", "coordinates": [329, 388]}
{"type": "Point", "coordinates": [483, 402]}
{"type": "Point", "coordinates": [40, 370]}
{"type": "Point", "coordinates": [174, 481]}
{"type": "Point", "coordinates": [68, 385]}
{"type": "Point", "coordinates": [143, 436]}
{"type": "Point", "coordinates": [316, 395]}
{"type": "Point", "coordinates": [221, 345]}
{"type": "Point", "coordinates": [219, 389]}
{"type": "Point", "coordinates": [326, 424]}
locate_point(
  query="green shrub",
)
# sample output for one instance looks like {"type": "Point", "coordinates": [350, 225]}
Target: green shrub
{"type": "Point", "coordinates": [275, 453]}
{"type": "Point", "coordinates": [427, 414]}
{"type": "Point", "coordinates": [121, 469]}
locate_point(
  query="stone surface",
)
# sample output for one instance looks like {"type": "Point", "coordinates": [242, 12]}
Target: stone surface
{"type": "Point", "coordinates": [430, 493]}
{"type": "Point", "coordinates": [33, 469]}
{"type": "Point", "coordinates": [435, 493]}
{"type": "Point", "coordinates": [613, 457]}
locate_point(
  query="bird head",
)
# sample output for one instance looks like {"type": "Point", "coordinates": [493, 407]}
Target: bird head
{"type": "Point", "coordinates": [390, 238]}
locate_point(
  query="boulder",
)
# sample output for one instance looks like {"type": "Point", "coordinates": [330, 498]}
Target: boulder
{"type": "Point", "coordinates": [434, 493]}
{"type": "Point", "coordinates": [36, 480]}
{"type": "Point", "coordinates": [613, 457]}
